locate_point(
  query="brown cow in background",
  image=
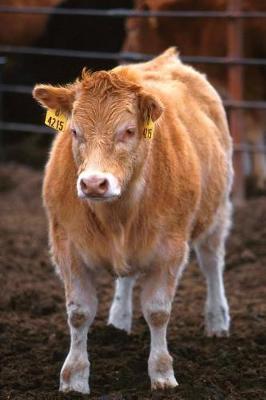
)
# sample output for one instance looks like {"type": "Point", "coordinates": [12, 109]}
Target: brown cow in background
{"type": "Point", "coordinates": [207, 37]}
{"type": "Point", "coordinates": [23, 29]}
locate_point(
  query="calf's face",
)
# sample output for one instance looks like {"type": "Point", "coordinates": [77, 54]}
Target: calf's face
{"type": "Point", "coordinates": [106, 143]}
{"type": "Point", "coordinates": [106, 114]}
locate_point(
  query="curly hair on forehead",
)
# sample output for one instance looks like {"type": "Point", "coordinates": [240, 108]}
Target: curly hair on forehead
{"type": "Point", "coordinates": [109, 81]}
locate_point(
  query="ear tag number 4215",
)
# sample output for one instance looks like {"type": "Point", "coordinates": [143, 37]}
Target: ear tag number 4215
{"type": "Point", "coordinates": [55, 119]}
{"type": "Point", "coordinates": [148, 128]}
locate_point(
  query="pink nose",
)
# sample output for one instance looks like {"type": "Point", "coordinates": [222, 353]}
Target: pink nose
{"type": "Point", "coordinates": [94, 186]}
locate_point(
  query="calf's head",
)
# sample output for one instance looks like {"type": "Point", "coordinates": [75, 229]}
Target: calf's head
{"type": "Point", "coordinates": [106, 112]}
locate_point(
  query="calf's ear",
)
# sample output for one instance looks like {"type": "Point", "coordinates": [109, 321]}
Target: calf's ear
{"type": "Point", "coordinates": [56, 98]}
{"type": "Point", "coordinates": [150, 105]}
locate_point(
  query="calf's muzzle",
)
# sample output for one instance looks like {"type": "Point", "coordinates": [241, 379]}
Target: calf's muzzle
{"type": "Point", "coordinates": [94, 186]}
{"type": "Point", "coordinates": [98, 185]}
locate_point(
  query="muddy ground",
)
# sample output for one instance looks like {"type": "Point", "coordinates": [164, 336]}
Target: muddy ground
{"type": "Point", "coordinates": [34, 336]}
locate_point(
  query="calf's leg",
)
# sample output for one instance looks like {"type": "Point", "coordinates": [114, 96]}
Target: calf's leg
{"type": "Point", "coordinates": [158, 289]}
{"type": "Point", "coordinates": [210, 253]}
{"type": "Point", "coordinates": [120, 314]}
{"type": "Point", "coordinates": [81, 304]}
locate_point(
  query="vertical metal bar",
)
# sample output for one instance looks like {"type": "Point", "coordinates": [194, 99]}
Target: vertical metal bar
{"type": "Point", "coordinates": [235, 86]}
{"type": "Point", "coordinates": [2, 62]}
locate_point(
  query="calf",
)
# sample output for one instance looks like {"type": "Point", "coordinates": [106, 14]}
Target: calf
{"type": "Point", "coordinates": [142, 172]}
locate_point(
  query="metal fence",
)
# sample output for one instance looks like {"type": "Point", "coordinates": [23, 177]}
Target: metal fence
{"type": "Point", "coordinates": [234, 62]}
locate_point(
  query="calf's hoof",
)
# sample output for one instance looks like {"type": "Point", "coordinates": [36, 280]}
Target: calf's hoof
{"type": "Point", "coordinates": [161, 372]}
{"type": "Point", "coordinates": [164, 383]}
{"type": "Point", "coordinates": [122, 322]}
{"type": "Point", "coordinates": [218, 334]}
{"type": "Point", "coordinates": [74, 377]}
{"type": "Point", "coordinates": [120, 316]}
{"type": "Point", "coordinates": [218, 322]}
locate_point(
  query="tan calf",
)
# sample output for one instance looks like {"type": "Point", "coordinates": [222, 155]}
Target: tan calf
{"type": "Point", "coordinates": [117, 199]}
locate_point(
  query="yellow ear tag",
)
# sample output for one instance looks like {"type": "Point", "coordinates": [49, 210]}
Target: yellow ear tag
{"type": "Point", "coordinates": [148, 128]}
{"type": "Point", "coordinates": [56, 120]}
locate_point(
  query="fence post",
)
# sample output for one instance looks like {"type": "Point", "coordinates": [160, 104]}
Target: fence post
{"type": "Point", "coordinates": [235, 86]}
{"type": "Point", "coordinates": [2, 62]}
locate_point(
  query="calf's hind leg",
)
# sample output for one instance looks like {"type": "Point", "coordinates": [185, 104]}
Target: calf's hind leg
{"type": "Point", "coordinates": [120, 314]}
{"type": "Point", "coordinates": [210, 253]}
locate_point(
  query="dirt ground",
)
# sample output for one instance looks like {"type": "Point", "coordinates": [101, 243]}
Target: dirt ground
{"type": "Point", "coordinates": [34, 336]}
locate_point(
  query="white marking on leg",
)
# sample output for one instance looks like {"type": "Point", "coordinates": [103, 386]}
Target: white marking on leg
{"type": "Point", "coordinates": [160, 363]}
{"type": "Point", "coordinates": [81, 309]}
{"type": "Point", "coordinates": [211, 252]}
{"type": "Point", "coordinates": [120, 314]}
{"type": "Point", "coordinates": [217, 317]}
{"type": "Point", "coordinates": [156, 299]}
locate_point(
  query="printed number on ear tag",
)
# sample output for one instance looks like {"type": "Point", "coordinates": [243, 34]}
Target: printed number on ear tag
{"type": "Point", "coordinates": [55, 119]}
{"type": "Point", "coordinates": [148, 128]}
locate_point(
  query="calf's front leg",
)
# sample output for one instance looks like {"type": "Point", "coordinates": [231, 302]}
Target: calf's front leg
{"type": "Point", "coordinates": [158, 289]}
{"type": "Point", "coordinates": [81, 304]}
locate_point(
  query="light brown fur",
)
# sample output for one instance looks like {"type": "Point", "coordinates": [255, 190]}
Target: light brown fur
{"type": "Point", "coordinates": [186, 173]}
{"type": "Point", "coordinates": [173, 186]}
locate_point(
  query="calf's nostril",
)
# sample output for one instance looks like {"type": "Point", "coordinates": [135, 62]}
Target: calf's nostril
{"type": "Point", "coordinates": [83, 186]}
{"type": "Point", "coordinates": [94, 186]}
{"type": "Point", "coordinates": [103, 186]}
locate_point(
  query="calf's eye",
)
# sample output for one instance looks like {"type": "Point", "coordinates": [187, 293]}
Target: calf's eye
{"type": "Point", "coordinates": [130, 132]}
{"type": "Point", "coordinates": [74, 132]}
{"type": "Point", "coordinates": [126, 134]}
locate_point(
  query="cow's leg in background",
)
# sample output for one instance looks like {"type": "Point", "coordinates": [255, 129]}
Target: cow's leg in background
{"type": "Point", "coordinates": [210, 253]}
{"type": "Point", "coordinates": [120, 314]}
{"type": "Point", "coordinates": [81, 304]}
{"type": "Point", "coordinates": [158, 289]}
{"type": "Point", "coordinates": [258, 158]}
{"type": "Point", "coordinates": [255, 122]}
